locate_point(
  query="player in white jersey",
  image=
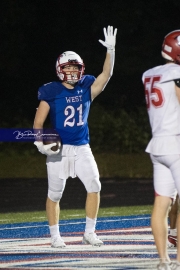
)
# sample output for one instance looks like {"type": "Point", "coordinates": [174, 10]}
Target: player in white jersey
{"type": "Point", "coordinates": [162, 92]}
{"type": "Point", "coordinates": [68, 102]}
{"type": "Point", "coordinates": [172, 231]}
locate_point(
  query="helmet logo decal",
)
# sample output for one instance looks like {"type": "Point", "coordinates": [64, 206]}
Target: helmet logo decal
{"type": "Point", "coordinates": [72, 60]}
{"type": "Point", "coordinates": [167, 48]}
{"type": "Point", "coordinates": [178, 39]}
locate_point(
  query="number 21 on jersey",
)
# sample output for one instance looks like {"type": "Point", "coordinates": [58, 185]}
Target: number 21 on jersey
{"type": "Point", "coordinates": [70, 113]}
{"type": "Point", "coordinates": [153, 94]}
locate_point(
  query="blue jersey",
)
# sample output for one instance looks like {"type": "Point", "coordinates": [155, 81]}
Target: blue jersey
{"type": "Point", "coordinates": [69, 109]}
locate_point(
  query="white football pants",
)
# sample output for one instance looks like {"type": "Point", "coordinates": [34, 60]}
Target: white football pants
{"type": "Point", "coordinates": [166, 174]}
{"type": "Point", "coordinates": [72, 161]}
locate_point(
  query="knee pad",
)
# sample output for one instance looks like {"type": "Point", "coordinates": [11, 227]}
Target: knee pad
{"type": "Point", "coordinates": [55, 196]}
{"type": "Point", "coordinates": [94, 186]}
{"type": "Point", "coordinates": [55, 189]}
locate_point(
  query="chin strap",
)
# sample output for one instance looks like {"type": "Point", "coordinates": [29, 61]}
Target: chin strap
{"type": "Point", "coordinates": [70, 82]}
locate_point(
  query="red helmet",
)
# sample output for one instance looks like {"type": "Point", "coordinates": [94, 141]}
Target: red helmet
{"type": "Point", "coordinates": [171, 47]}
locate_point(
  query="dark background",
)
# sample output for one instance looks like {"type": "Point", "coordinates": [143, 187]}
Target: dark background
{"type": "Point", "coordinates": [34, 32]}
{"type": "Point", "coordinates": [33, 193]}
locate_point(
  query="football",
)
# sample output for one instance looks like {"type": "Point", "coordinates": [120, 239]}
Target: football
{"type": "Point", "coordinates": [53, 148]}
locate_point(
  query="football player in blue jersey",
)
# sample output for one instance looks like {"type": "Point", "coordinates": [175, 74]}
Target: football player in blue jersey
{"type": "Point", "coordinates": [68, 102]}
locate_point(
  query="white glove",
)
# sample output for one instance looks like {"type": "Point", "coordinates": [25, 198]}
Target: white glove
{"type": "Point", "coordinates": [110, 38]}
{"type": "Point", "coordinates": [46, 149]}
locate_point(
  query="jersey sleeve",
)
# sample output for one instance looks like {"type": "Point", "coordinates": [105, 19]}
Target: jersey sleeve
{"type": "Point", "coordinates": [172, 74]}
{"type": "Point", "coordinates": [47, 92]}
{"type": "Point", "coordinates": [87, 80]}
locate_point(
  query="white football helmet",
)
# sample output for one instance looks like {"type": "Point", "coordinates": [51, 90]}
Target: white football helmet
{"type": "Point", "coordinates": [69, 58]}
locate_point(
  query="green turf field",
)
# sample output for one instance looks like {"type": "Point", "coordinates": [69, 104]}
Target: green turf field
{"type": "Point", "coordinates": [73, 214]}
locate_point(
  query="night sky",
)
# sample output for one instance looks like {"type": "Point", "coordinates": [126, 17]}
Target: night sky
{"type": "Point", "coordinates": [34, 33]}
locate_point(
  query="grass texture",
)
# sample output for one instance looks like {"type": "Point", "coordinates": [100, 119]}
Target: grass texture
{"type": "Point", "coordinates": [9, 218]}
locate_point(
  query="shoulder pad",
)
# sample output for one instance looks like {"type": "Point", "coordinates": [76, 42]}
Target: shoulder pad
{"type": "Point", "coordinates": [87, 80]}
{"type": "Point", "coordinates": [172, 73]}
{"type": "Point", "coordinates": [48, 91]}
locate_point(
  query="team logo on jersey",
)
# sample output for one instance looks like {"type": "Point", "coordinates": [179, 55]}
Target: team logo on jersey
{"type": "Point", "coordinates": [79, 91]}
